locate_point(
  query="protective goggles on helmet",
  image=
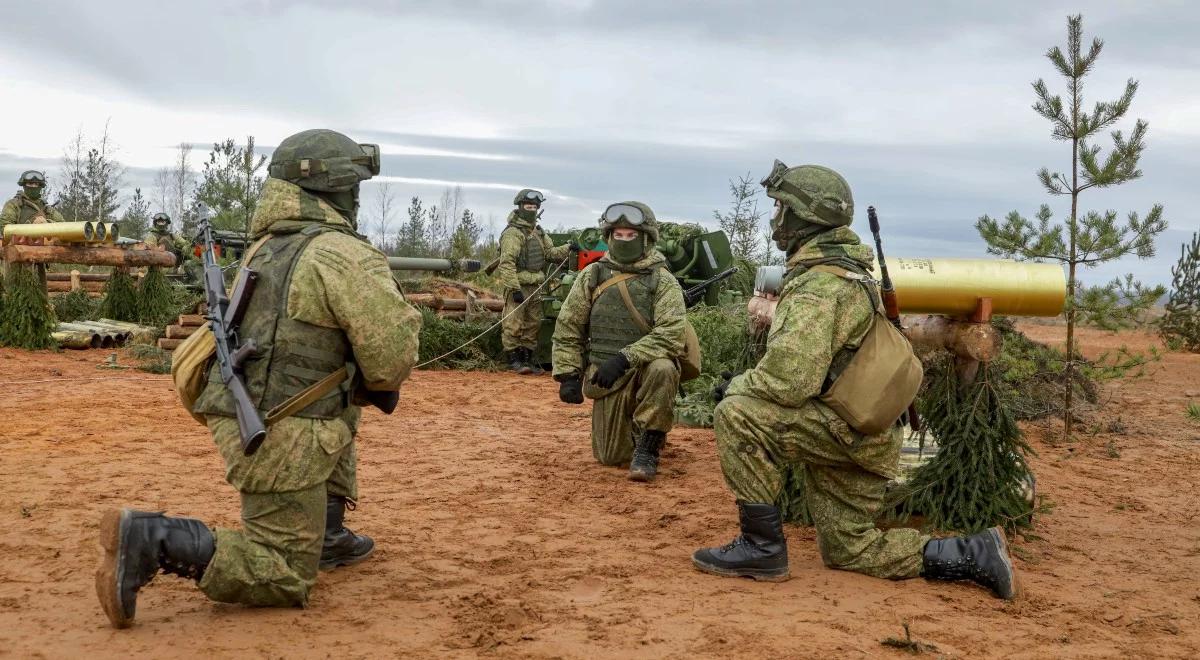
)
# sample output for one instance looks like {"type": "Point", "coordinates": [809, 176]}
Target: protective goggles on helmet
{"type": "Point", "coordinates": [32, 177]}
{"type": "Point", "coordinates": [828, 208]}
{"type": "Point", "coordinates": [161, 217]}
{"type": "Point", "coordinates": [532, 197]}
{"type": "Point", "coordinates": [632, 214]}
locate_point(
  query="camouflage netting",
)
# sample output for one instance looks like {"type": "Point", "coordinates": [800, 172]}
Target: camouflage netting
{"type": "Point", "coordinates": [26, 318]}
{"type": "Point", "coordinates": [120, 297]}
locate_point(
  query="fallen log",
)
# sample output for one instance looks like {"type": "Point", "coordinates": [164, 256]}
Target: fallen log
{"type": "Point", "coordinates": [169, 344]}
{"type": "Point", "coordinates": [434, 301]}
{"type": "Point", "coordinates": [190, 320]}
{"type": "Point", "coordinates": [89, 256]}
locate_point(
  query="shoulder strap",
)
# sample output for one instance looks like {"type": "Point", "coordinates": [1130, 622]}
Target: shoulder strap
{"type": "Point", "coordinates": [618, 279]}
{"type": "Point", "coordinates": [623, 289]}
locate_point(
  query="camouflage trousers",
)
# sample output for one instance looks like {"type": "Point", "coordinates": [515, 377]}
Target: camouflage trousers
{"type": "Point", "coordinates": [521, 329]}
{"type": "Point", "coordinates": [642, 400]}
{"type": "Point", "coordinates": [272, 560]}
{"type": "Point", "coordinates": [756, 439]}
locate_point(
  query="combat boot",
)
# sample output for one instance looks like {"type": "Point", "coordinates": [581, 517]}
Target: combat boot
{"type": "Point", "coordinates": [137, 545]}
{"type": "Point", "coordinates": [534, 367]}
{"type": "Point", "coordinates": [981, 558]}
{"type": "Point", "coordinates": [342, 547]}
{"type": "Point", "coordinates": [759, 552]}
{"type": "Point", "coordinates": [644, 465]}
{"type": "Point", "coordinates": [516, 361]}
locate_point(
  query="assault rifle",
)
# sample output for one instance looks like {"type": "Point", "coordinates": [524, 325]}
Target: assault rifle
{"type": "Point", "coordinates": [225, 313]}
{"type": "Point", "coordinates": [692, 295]}
{"type": "Point", "coordinates": [891, 306]}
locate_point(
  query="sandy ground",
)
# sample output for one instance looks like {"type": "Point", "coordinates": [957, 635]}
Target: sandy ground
{"type": "Point", "coordinates": [498, 535]}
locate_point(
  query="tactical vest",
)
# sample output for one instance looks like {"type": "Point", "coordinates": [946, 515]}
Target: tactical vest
{"type": "Point", "coordinates": [611, 327]}
{"type": "Point", "coordinates": [28, 209]}
{"type": "Point", "coordinates": [292, 355]}
{"type": "Point", "coordinates": [533, 253]}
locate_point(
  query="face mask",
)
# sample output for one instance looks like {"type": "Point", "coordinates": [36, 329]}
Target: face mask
{"type": "Point", "coordinates": [528, 215]}
{"type": "Point", "coordinates": [33, 192]}
{"type": "Point", "coordinates": [345, 202]}
{"type": "Point", "coordinates": [626, 252]}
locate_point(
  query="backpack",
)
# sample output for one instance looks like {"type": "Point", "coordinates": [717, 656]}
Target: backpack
{"type": "Point", "coordinates": [881, 379]}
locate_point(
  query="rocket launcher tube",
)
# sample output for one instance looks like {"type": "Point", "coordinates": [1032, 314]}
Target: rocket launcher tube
{"type": "Point", "coordinates": [953, 287]}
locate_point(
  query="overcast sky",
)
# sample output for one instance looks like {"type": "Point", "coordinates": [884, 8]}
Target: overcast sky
{"type": "Point", "coordinates": [923, 106]}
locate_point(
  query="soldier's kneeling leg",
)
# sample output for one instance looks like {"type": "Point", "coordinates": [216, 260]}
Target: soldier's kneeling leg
{"type": "Point", "coordinates": [272, 560]}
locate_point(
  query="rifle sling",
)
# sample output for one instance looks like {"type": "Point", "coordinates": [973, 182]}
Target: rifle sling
{"type": "Point", "coordinates": [307, 396]}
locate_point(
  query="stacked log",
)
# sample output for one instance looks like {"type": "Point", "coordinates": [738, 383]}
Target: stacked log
{"type": "Point", "coordinates": [184, 327]}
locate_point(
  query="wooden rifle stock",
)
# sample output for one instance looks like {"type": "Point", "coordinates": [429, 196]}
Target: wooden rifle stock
{"type": "Point", "coordinates": [891, 305]}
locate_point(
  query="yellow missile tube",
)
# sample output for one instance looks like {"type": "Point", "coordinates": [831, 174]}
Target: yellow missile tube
{"type": "Point", "coordinates": [68, 232]}
{"type": "Point", "coordinates": [953, 287]}
{"type": "Point", "coordinates": [111, 232]}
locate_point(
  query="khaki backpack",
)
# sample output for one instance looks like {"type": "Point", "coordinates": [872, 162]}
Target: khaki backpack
{"type": "Point", "coordinates": [882, 378]}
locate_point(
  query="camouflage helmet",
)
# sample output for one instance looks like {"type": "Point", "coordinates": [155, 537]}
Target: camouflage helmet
{"type": "Point", "coordinates": [161, 220]}
{"type": "Point", "coordinates": [324, 161]}
{"type": "Point", "coordinates": [813, 193]}
{"type": "Point", "coordinates": [32, 178]}
{"type": "Point", "coordinates": [634, 215]}
{"type": "Point", "coordinates": [529, 196]}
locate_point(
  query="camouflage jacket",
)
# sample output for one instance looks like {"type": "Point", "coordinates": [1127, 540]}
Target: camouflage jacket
{"type": "Point", "coordinates": [512, 239]}
{"type": "Point", "coordinates": [818, 315]}
{"type": "Point", "coordinates": [20, 205]}
{"type": "Point", "coordinates": [665, 340]}
{"type": "Point", "coordinates": [339, 281]}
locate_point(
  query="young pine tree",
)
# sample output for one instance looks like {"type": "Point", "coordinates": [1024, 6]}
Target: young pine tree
{"type": "Point", "coordinates": [1091, 238]}
{"type": "Point", "coordinates": [1180, 326]}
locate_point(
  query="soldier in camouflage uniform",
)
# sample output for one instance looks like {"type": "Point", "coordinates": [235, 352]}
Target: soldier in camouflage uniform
{"type": "Point", "coordinates": [164, 239]}
{"type": "Point", "coordinates": [617, 340]}
{"type": "Point", "coordinates": [770, 417]}
{"type": "Point", "coordinates": [28, 207]}
{"type": "Point", "coordinates": [325, 300]}
{"type": "Point", "coordinates": [524, 251]}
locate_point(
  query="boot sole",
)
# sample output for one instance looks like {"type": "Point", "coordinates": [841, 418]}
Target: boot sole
{"type": "Point", "coordinates": [350, 561]}
{"type": "Point", "coordinates": [111, 573]}
{"type": "Point", "coordinates": [759, 574]}
{"type": "Point", "coordinates": [641, 477]}
{"type": "Point", "coordinates": [1014, 585]}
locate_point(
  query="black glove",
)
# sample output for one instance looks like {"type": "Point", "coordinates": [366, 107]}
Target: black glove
{"type": "Point", "coordinates": [718, 392]}
{"type": "Point", "coordinates": [571, 390]}
{"type": "Point", "coordinates": [610, 370]}
{"type": "Point", "coordinates": [518, 296]}
{"type": "Point", "coordinates": [573, 246]}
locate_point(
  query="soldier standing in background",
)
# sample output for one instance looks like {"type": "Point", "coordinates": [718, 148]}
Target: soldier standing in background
{"type": "Point", "coordinates": [524, 252]}
{"type": "Point", "coordinates": [770, 416]}
{"type": "Point", "coordinates": [325, 301]}
{"type": "Point", "coordinates": [617, 340]}
{"type": "Point", "coordinates": [163, 238]}
{"type": "Point", "coordinates": [28, 207]}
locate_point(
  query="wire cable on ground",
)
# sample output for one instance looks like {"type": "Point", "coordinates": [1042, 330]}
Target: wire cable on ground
{"type": "Point", "coordinates": [497, 323]}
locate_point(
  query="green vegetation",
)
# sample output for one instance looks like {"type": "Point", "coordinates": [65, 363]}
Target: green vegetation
{"type": "Point", "coordinates": [76, 306]}
{"type": "Point", "coordinates": [26, 318]}
{"type": "Point", "coordinates": [120, 297]}
{"type": "Point", "coordinates": [724, 347]}
{"type": "Point", "coordinates": [439, 336]}
{"type": "Point", "coordinates": [157, 300]}
{"type": "Point", "coordinates": [1180, 325]}
{"type": "Point", "coordinates": [1085, 238]}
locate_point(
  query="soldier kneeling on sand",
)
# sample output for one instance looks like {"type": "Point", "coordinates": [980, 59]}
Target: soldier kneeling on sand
{"type": "Point", "coordinates": [618, 338]}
